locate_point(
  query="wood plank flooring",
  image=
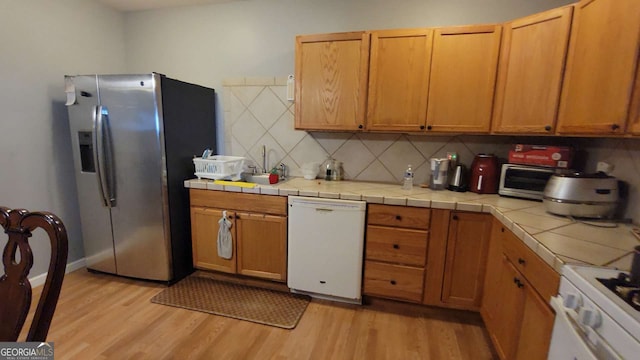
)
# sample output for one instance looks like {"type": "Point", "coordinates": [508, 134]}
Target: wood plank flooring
{"type": "Point", "coordinates": [106, 317]}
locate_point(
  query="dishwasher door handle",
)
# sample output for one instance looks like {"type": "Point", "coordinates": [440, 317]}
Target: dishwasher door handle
{"type": "Point", "coordinates": [324, 210]}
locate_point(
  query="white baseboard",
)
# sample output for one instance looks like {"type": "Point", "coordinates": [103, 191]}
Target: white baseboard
{"type": "Point", "coordinates": [40, 279]}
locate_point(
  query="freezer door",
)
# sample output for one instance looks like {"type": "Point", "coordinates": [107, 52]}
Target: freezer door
{"type": "Point", "coordinates": [138, 217]}
{"type": "Point", "coordinates": [94, 214]}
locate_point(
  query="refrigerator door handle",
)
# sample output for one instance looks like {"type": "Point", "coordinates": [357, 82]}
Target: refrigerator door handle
{"type": "Point", "coordinates": [99, 156]}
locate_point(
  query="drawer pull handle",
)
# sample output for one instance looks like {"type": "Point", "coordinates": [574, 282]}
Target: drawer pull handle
{"type": "Point", "coordinates": [521, 261]}
{"type": "Point", "coordinates": [515, 280]}
{"type": "Point", "coordinates": [520, 285]}
{"type": "Point", "coordinates": [501, 229]}
{"type": "Point", "coordinates": [393, 282]}
{"type": "Point", "coordinates": [398, 217]}
{"type": "Point", "coordinates": [396, 246]}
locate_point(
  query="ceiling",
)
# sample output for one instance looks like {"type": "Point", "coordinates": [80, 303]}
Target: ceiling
{"type": "Point", "coordinates": [135, 5]}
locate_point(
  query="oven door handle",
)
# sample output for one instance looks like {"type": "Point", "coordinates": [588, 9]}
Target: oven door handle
{"type": "Point", "coordinates": [599, 349]}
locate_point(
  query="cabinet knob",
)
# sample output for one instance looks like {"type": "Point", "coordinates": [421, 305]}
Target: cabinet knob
{"type": "Point", "coordinates": [398, 217]}
{"type": "Point", "coordinates": [230, 217]}
{"type": "Point", "coordinates": [421, 127]}
{"type": "Point", "coordinates": [501, 229]}
{"type": "Point", "coordinates": [396, 246]}
{"type": "Point", "coordinates": [429, 127]}
{"type": "Point", "coordinates": [615, 127]}
{"type": "Point", "coordinates": [547, 128]}
{"type": "Point", "coordinates": [392, 282]}
{"type": "Point", "coordinates": [521, 261]}
{"type": "Point", "coordinates": [518, 283]}
{"type": "Point", "coordinates": [360, 126]}
{"type": "Point", "coordinates": [455, 217]}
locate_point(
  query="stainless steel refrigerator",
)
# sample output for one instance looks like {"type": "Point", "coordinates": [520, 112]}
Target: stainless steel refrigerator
{"type": "Point", "coordinates": [134, 138]}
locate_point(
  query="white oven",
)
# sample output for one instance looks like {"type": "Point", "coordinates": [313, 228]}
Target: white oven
{"type": "Point", "coordinates": [592, 322]}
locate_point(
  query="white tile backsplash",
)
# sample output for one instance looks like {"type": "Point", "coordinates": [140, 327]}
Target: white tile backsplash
{"type": "Point", "coordinates": [256, 112]}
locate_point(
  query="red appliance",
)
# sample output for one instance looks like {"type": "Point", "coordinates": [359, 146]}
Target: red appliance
{"type": "Point", "coordinates": [484, 174]}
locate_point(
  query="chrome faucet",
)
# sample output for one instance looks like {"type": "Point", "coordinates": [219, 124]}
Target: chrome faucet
{"type": "Point", "coordinates": [264, 159]}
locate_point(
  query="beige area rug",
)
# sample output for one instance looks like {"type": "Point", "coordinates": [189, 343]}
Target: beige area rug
{"type": "Point", "coordinates": [243, 302]}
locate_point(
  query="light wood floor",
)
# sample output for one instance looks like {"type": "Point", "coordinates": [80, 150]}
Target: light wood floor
{"type": "Point", "coordinates": [106, 317]}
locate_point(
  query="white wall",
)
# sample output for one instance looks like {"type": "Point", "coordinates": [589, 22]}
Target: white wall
{"type": "Point", "coordinates": [40, 42]}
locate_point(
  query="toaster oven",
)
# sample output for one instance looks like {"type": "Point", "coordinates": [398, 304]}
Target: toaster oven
{"type": "Point", "coordinates": [524, 181]}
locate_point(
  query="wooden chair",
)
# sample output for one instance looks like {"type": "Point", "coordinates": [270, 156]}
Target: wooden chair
{"type": "Point", "coordinates": [15, 289]}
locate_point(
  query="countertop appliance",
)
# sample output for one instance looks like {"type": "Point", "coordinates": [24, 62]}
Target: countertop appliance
{"type": "Point", "coordinates": [592, 321]}
{"type": "Point", "coordinates": [458, 179]}
{"type": "Point", "coordinates": [133, 139]}
{"type": "Point", "coordinates": [581, 195]}
{"type": "Point", "coordinates": [484, 174]}
{"type": "Point", "coordinates": [326, 245]}
{"type": "Point", "coordinates": [524, 181]}
{"type": "Point", "coordinates": [439, 173]}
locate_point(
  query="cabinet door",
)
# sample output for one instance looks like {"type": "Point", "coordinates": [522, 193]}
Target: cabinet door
{"type": "Point", "coordinates": [603, 54]}
{"type": "Point", "coordinates": [466, 259]}
{"type": "Point", "coordinates": [634, 120]}
{"type": "Point", "coordinates": [262, 245]}
{"type": "Point", "coordinates": [204, 237]}
{"type": "Point", "coordinates": [506, 334]}
{"type": "Point", "coordinates": [491, 297]}
{"type": "Point", "coordinates": [532, 61]}
{"type": "Point", "coordinates": [399, 79]}
{"type": "Point", "coordinates": [463, 78]}
{"type": "Point", "coordinates": [537, 326]}
{"type": "Point", "coordinates": [331, 81]}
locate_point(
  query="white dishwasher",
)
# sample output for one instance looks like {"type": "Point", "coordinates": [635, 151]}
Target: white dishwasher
{"type": "Point", "coordinates": [326, 241]}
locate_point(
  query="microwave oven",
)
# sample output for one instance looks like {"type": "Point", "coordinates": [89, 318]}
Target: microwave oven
{"type": "Point", "coordinates": [524, 181]}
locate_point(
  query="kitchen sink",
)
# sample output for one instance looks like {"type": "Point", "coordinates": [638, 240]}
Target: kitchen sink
{"type": "Point", "coordinates": [262, 179]}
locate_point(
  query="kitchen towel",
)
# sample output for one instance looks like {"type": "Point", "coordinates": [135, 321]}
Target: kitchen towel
{"type": "Point", "coordinates": [225, 243]}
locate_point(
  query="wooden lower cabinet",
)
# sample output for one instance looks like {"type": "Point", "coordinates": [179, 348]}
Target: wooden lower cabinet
{"type": "Point", "coordinates": [395, 251]}
{"type": "Point", "coordinates": [516, 312]}
{"type": "Point", "coordinates": [430, 256]}
{"type": "Point", "coordinates": [262, 246]}
{"type": "Point", "coordinates": [204, 235]}
{"type": "Point", "coordinates": [393, 281]}
{"type": "Point", "coordinates": [259, 239]}
{"type": "Point", "coordinates": [537, 325]}
{"type": "Point", "coordinates": [465, 262]}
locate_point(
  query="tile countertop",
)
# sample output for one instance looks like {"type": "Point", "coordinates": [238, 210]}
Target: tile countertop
{"type": "Point", "coordinates": [556, 239]}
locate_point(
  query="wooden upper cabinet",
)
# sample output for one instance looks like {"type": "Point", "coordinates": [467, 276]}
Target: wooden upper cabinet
{"type": "Point", "coordinates": [399, 79]}
{"type": "Point", "coordinates": [463, 76]}
{"type": "Point", "coordinates": [601, 65]}
{"type": "Point", "coordinates": [530, 73]}
{"type": "Point", "coordinates": [331, 81]}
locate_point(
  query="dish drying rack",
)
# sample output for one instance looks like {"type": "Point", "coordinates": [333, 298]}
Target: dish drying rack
{"type": "Point", "coordinates": [219, 167]}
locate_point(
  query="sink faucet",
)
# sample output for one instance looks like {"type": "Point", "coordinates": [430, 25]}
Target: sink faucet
{"type": "Point", "coordinates": [264, 159]}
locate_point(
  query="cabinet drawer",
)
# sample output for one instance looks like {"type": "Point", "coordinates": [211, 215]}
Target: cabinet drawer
{"type": "Point", "coordinates": [403, 246]}
{"type": "Point", "coordinates": [399, 216]}
{"type": "Point", "coordinates": [393, 281]}
{"type": "Point", "coordinates": [542, 276]}
{"type": "Point", "coordinates": [266, 204]}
